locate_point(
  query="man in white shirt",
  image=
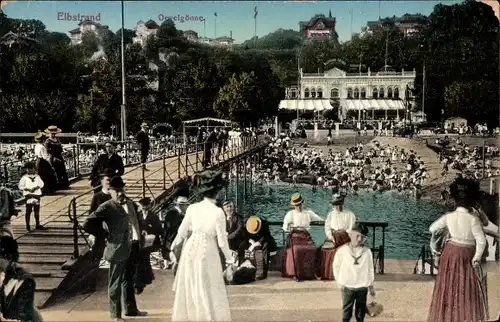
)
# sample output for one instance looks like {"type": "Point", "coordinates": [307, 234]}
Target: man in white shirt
{"type": "Point", "coordinates": [354, 273]}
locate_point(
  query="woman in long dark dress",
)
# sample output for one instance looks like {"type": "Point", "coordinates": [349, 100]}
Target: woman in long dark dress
{"type": "Point", "coordinates": [55, 150]}
{"type": "Point", "coordinates": [458, 292]}
{"type": "Point", "coordinates": [45, 170]}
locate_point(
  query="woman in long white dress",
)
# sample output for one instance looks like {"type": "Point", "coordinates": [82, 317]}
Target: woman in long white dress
{"type": "Point", "coordinates": [200, 291]}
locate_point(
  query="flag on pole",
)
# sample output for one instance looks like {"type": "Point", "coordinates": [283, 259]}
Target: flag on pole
{"type": "Point", "coordinates": [256, 12]}
{"type": "Point", "coordinates": [215, 14]}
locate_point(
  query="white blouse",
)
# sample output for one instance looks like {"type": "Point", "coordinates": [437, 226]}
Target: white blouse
{"type": "Point", "coordinates": [339, 220]}
{"type": "Point", "coordinates": [464, 228]}
{"type": "Point", "coordinates": [300, 220]}
{"type": "Point", "coordinates": [41, 152]}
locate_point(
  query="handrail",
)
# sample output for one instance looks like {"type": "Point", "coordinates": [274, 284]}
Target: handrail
{"type": "Point", "coordinates": [380, 250]}
{"type": "Point", "coordinates": [183, 159]}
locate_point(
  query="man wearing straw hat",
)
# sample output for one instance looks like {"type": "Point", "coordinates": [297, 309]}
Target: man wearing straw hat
{"type": "Point", "coordinates": [55, 150]}
{"type": "Point", "coordinates": [142, 138]}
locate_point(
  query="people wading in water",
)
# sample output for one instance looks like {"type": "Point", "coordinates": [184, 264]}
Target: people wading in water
{"type": "Point", "coordinates": [55, 150]}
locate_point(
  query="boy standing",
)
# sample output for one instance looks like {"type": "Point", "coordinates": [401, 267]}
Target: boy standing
{"type": "Point", "coordinates": [354, 273]}
{"type": "Point", "coordinates": [31, 185]}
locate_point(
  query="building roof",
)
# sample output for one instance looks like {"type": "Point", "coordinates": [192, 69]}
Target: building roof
{"type": "Point", "coordinates": [328, 22]}
{"type": "Point", "coordinates": [224, 38]}
{"type": "Point", "coordinates": [190, 32]}
{"type": "Point", "coordinates": [151, 24]}
{"type": "Point", "coordinates": [90, 22]}
{"type": "Point", "coordinates": [11, 36]}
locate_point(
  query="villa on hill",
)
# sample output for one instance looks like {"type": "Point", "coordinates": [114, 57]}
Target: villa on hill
{"type": "Point", "coordinates": [83, 27]}
{"type": "Point", "coordinates": [320, 27]}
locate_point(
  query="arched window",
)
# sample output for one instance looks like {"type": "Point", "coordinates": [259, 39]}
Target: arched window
{"type": "Point", "coordinates": [349, 92]}
{"type": "Point", "coordinates": [356, 93]}
{"type": "Point", "coordinates": [396, 92]}
{"type": "Point", "coordinates": [375, 93]}
{"type": "Point", "coordinates": [306, 93]}
{"type": "Point", "coordinates": [320, 92]}
{"type": "Point", "coordinates": [363, 92]}
{"type": "Point", "coordinates": [334, 93]}
{"type": "Point", "coordinates": [389, 92]}
{"type": "Point", "coordinates": [313, 93]}
{"type": "Point", "coordinates": [381, 92]}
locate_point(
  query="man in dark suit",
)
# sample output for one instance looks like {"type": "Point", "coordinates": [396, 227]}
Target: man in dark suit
{"type": "Point", "coordinates": [110, 161]}
{"type": "Point", "coordinates": [173, 220]}
{"type": "Point", "coordinates": [123, 222]}
{"type": "Point", "coordinates": [150, 224]}
{"type": "Point", "coordinates": [18, 291]}
{"type": "Point", "coordinates": [142, 139]}
{"type": "Point", "coordinates": [234, 226]}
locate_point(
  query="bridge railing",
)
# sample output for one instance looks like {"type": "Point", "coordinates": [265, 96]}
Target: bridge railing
{"type": "Point", "coordinates": [378, 251]}
{"type": "Point", "coordinates": [80, 157]}
{"type": "Point", "coordinates": [425, 259]}
{"type": "Point", "coordinates": [187, 161]}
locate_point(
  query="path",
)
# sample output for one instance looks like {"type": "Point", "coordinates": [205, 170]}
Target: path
{"type": "Point", "coordinates": [405, 298]}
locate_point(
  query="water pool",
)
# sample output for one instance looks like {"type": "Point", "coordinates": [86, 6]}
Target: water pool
{"type": "Point", "coordinates": [408, 219]}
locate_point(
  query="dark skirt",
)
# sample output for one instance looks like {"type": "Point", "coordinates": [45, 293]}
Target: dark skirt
{"type": "Point", "coordinates": [144, 274]}
{"type": "Point", "coordinates": [299, 259]}
{"type": "Point", "coordinates": [47, 174]}
{"type": "Point", "coordinates": [327, 255]}
{"type": "Point", "coordinates": [457, 295]}
{"type": "Point", "coordinates": [62, 175]}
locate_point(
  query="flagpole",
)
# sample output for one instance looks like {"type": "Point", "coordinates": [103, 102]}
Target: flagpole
{"type": "Point", "coordinates": [215, 25]}
{"type": "Point", "coordinates": [205, 28]}
{"type": "Point", "coordinates": [255, 14]}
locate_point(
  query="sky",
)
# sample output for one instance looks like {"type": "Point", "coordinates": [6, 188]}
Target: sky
{"type": "Point", "coordinates": [233, 17]}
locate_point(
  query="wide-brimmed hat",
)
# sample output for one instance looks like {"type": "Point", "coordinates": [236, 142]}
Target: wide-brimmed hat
{"type": "Point", "coordinates": [116, 183]}
{"type": "Point", "coordinates": [337, 199]}
{"type": "Point", "coordinates": [227, 203]}
{"type": "Point", "coordinates": [360, 228]}
{"type": "Point", "coordinates": [53, 129]}
{"type": "Point", "coordinates": [209, 181]}
{"type": "Point", "coordinates": [296, 199]}
{"type": "Point", "coordinates": [254, 224]}
{"type": "Point", "coordinates": [181, 200]}
{"type": "Point", "coordinates": [144, 124]}
{"type": "Point", "coordinates": [39, 137]}
{"type": "Point", "coordinates": [108, 172]}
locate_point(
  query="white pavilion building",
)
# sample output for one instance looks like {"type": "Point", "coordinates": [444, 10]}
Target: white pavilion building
{"type": "Point", "coordinates": [360, 96]}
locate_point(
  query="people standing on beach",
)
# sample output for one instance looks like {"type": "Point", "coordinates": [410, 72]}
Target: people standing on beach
{"type": "Point", "coordinates": [55, 150]}
{"type": "Point", "coordinates": [354, 273]}
{"type": "Point", "coordinates": [299, 259]}
{"type": "Point", "coordinates": [109, 160]}
{"type": "Point", "coordinates": [142, 139]}
{"type": "Point", "coordinates": [458, 294]}
{"type": "Point", "coordinates": [45, 169]}
{"type": "Point", "coordinates": [200, 291]}
{"type": "Point", "coordinates": [31, 186]}
{"type": "Point", "coordinates": [338, 225]}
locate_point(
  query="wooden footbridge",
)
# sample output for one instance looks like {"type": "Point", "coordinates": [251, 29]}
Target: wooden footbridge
{"type": "Point", "coordinates": [59, 256]}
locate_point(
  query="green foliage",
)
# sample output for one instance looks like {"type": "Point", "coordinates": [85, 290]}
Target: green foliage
{"type": "Point", "coordinates": [280, 39]}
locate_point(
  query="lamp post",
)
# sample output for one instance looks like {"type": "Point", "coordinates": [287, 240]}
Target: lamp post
{"type": "Point", "coordinates": [123, 110]}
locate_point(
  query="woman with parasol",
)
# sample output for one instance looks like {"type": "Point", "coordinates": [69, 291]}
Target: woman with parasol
{"type": "Point", "coordinates": [55, 150]}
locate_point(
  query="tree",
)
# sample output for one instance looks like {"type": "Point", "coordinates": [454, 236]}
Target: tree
{"type": "Point", "coordinates": [280, 39]}
{"type": "Point", "coordinates": [235, 98]}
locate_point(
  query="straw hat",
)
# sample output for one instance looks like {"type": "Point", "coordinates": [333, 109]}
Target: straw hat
{"type": "Point", "coordinates": [39, 137]}
{"type": "Point", "coordinates": [254, 224]}
{"type": "Point", "coordinates": [144, 124]}
{"type": "Point", "coordinates": [296, 199]}
{"type": "Point", "coordinates": [181, 200]}
{"type": "Point", "coordinates": [52, 129]}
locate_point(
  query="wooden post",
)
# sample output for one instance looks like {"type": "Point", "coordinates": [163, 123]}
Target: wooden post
{"type": "Point", "coordinates": [484, 156]}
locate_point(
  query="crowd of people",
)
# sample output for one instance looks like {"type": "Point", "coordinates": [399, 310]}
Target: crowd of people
{"type": "Point", "coordinates": [365, 166]}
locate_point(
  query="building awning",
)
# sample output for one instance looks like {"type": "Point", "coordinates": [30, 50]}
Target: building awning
{"type": "Point", "coordinates": [306, 104]}
{"type": "Point", "coordinates": [354, 104]}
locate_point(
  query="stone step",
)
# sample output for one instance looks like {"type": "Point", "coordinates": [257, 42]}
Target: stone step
{"type": "Point", "coordinates": [42, 259]}
{"type": "Point", "coordinates": [41, 296]}
{"type": "Point", "coordinates": [55, 250]}
{"type": "Point", "coordinates": [47, 283]}
{"type": "Point", "coordinates": [45, 269]}
{"type": "Point", "coordinates": [48, 240]}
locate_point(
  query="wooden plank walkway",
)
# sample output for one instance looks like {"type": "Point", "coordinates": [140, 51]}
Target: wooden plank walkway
{"type": "Point", "coordinates": [43, 252]}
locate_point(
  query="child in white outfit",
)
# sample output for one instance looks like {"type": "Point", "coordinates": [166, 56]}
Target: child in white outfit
{"type": "Point", "coordinates": [31, 186]}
